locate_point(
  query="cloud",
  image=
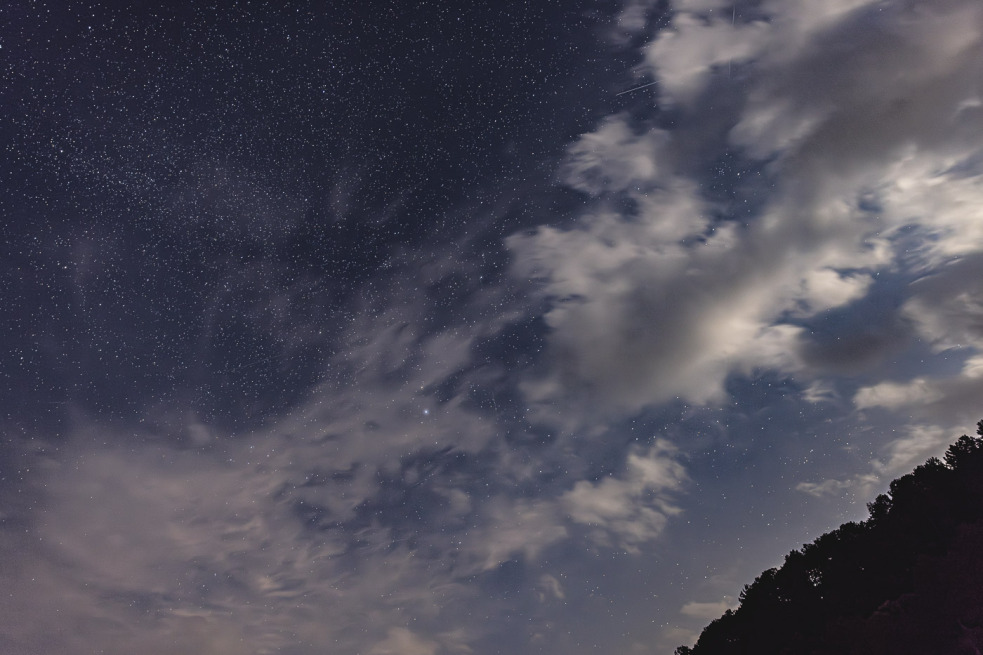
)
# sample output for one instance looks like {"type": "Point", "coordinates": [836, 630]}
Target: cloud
{"type": "Point", "coordinates": [893, 395]}
{"type": "Point", "coordinates": [897, 457]}
{"type": "Point", "coordinates": [614, 158]}
{"type": "Point", "coordinates": [947, 306]}
{"type": "Point", "coordinates": [660, 305]}
{"type": "Point", "coordinates": [826, 487]}
{"type": "Point", "coordinates": [952, 401]}
{"type": "Point", "coordinates": [290, 535]}
{"type": "Point", "coordinates": [902, 455]}
{"type": "Point", "coordinates": [403, 642]}
{"type": "Point", "coordinates": [827, 288]}
{"type": "Point", "coordinates": [628, 511]}
{"type": "Point", "coordinates": [846, 81]}
{"type": "Point", "coordinates": [183, 550]}
{"type": "Point", "coordinates": [685, 56]}
{"type": "Point", "coordinates": [512, 529]}
{"type": "Point", "coordinates": [639, 316]}
{"type": "Point", "coordinates": [708, 611]}
{"type": "Point", "coordinates": [861, 124]}
{"type": "Point", "coordinates": [157, 546]}
{"type": "Point", "coordinates": [855, 342]}
{"type": "Point", "coordinates": [549, 588]}
{"type": "Point", "coordinates": [227, 549]}
{"type": "Point", "coordinates": [819, 391]}
{"type": "Point", "coordinates": [378, 501]}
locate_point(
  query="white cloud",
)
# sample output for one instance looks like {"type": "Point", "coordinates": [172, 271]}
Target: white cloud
{"type": "Point", "coordinates": [950, 401]}
{"type": "Point", "coordinates": [633, 509]}
{"type": "Point", "coordinates": [947, 307]}
{"type": "Point", "coordinates": [858, 78]}
{"type": "Point", "coordinates": [896, 395]}
{"type": "Point", "coordinates": [511, 529]}
{"type": "Point", "coordinates": [253, 543]}
{"type": "Point", "coordinates": [819, 391]}
{"type": "Point", "coordinates": [122, 526]}
{"type": "Point", "coordinates": [902, 455]}
{"type": "Point", "coordinates": [633, 16]}
{"type": "Point", "coordinates": [642, 314]}
{"type": "Point", "coordinates": [897, 457]}
{"type": "Point", "coordinates": [640, 317]}
{"type": "Point", "coordinates": [684, 57]}
{"type": "Point", "coordinates": [701, 5]}
{"type": "Point", "coordinates": [615, 158]}
{"type": "Point", "coordinates": [708, 611]}
{"type": "Point", "coordinates": [172, 551]}
{"type": "Point", "coordinates": [549, 588]}
{"type": "Point", "coordinates": [829, 487]}
{"type": "Point", "coordinates": [826, 288]}
{"type": "Point", "coordinates": [870, 130]}
{"type": "Point", "coordinates": [402, 641]}
{"type": "Point", "coordinates": [939, 195]}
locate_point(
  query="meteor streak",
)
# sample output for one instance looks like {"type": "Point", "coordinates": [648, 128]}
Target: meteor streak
{"type": "Point", "coordinates": [635, 89]}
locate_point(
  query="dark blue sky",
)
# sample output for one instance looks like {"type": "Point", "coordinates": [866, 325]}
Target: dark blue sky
{"type": "Point", "coordinates": [412, 328]}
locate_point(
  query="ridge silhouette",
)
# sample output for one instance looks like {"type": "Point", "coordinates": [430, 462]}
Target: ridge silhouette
{"type": "Point", "coordinates": [909, 579]}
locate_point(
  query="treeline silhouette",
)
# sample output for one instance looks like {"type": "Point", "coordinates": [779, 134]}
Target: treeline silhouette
{"type": "Point", "coordinates": [909, 579]}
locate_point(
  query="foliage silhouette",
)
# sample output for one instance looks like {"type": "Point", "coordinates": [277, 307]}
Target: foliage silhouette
{"type": "Point", "coordinates": [909, 579]}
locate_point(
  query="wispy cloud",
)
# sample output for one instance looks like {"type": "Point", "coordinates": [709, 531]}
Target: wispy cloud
{"type": "Point", "coordinates": [632, 509]}
{"type": "Point", "coordinates": [898, 457]}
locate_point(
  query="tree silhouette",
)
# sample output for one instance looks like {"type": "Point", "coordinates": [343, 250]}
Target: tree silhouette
{"type": "Point", "coordinates": [909, 579]}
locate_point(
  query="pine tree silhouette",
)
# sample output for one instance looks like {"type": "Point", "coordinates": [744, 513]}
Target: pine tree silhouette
{"type": "Point", "coordinates": [907, 580]}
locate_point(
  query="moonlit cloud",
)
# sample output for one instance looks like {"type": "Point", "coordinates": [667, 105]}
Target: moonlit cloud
{"type": "Point", "coordinates": [858, 140]}
{"type": "Point", "coordinates": [946, 306]}
{"type": "Point", "coordinates": [950, 400]}
{"type": "Point", "coordinates": [613, 158]}
{"type": "Point", "coordinates": [402, 641]}
{"type": "Point", "coordinates": [630, 510]}
{"type": "Point", "coordinates": [898, 457]}
{"type": "Point", "coordinates": [666, 302]}
{"type": "Point", "coordinates": [708, 611]}
{"type": "Point", "coordinates": [639, 318]}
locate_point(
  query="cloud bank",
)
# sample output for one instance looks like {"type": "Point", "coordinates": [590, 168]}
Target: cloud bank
{"type": "Point", "coordinates": [856, 127]}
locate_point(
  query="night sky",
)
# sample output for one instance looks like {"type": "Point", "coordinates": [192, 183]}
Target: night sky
{"type": "Point", "coordinates": [427, 328]}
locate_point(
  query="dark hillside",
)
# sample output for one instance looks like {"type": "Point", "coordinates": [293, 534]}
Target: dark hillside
{"type": "Point", "coordinates": [909, 579]}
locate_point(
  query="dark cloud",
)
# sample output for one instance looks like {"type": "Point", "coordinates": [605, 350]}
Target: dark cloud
{"type": "Point", "coordinates": [857, 338]}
